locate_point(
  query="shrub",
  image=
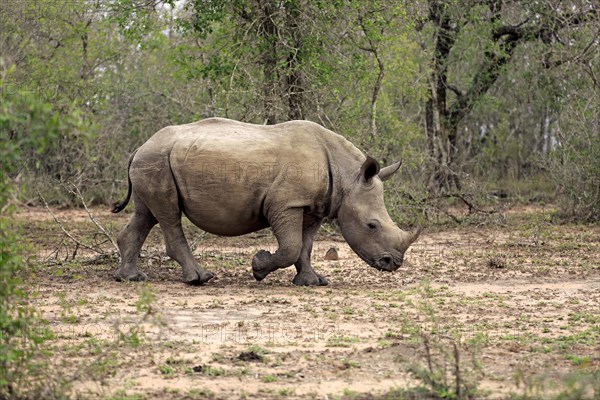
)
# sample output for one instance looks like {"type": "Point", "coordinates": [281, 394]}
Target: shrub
{"type": "Point", "coordinates": [26, 127]}
{"type": "Point", "coordinates": [574, 163]}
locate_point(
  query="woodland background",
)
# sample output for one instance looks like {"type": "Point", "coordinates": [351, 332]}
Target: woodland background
{"type": "Point", "coordinates": [483, 100]}
{"type": "Point", "coordinates": [488, 103]}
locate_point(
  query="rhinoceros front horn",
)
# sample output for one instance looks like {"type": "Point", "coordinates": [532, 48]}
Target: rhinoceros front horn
{"type": "Point", "coordinates": [411, 237]}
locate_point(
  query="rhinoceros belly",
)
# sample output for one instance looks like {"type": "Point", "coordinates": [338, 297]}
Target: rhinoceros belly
{"type": "Point", "coordinates": [222, 190]}
{"type": "Point", "coordinates": [222, 211]}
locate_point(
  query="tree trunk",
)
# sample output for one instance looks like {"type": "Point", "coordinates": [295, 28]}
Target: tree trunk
{"type": "Point", "coordinates": [442, 120]}
{"type": "Point", "coordinates": [268, 33]}
{"type": "Point", "coordinates": [441, 127]}
{"type": "Point", "coordinates": [294, 78]}
{"type": "Point", "coordinates": [376, 90]}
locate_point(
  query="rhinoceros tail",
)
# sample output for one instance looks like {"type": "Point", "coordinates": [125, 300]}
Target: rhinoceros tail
{"type": "Point", "coordinates": [118, 207]}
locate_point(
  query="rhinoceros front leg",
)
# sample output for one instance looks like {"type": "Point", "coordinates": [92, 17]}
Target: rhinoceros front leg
{"type": "Point", "coordinates": [287, 228]}
{"type": "Point", "coordinates": [306, 275]}
{"type": "Point", "coordinates": [179, 250]}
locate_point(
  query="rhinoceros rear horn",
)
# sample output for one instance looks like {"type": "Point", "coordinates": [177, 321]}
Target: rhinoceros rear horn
{"type": "Point", "coordinates": [387, 172]}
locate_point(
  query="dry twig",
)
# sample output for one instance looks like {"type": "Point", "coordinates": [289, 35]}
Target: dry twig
{"type": "Point", "coordinates": [77, 242]}
{"type": "Point", "coordinates": [75, 191]}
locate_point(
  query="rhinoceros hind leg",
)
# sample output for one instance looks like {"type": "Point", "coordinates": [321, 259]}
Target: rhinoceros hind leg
{"type": "Point", "coordinates": [130, 242]}
{"type": "Point", "coordinates": [287, 227]}
{"type": "Point", "coordinates": [179, 250]}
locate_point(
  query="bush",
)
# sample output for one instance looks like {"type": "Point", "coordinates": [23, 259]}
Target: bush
{"type": "Point", "coordinates": [26, 127]}
{"type": "Point", "coordinates": [574, 163]}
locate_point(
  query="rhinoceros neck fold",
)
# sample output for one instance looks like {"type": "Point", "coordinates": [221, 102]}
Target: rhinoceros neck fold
{"type": "Point", "coordinates": [343, 163]}
{"type": "Point", "coordinates": [332, 197]}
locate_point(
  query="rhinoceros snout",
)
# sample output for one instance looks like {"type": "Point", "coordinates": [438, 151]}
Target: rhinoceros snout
{"type": "Point", "coordinates": [388, 263]}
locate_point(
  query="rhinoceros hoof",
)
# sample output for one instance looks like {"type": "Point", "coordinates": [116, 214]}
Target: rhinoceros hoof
{"type": "Point", "coordinates": [322, 280]}
{"type": "Point", "coordinates": [260, 264]}
{"type": "Point", "coordinates": [198, 277]}
{"type": "Point", "coordinates": [136, 276]}
{"type": "Point", "coordinates": [313, 279]}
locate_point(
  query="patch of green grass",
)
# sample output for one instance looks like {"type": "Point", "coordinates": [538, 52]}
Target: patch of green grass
{"type": "Point", "coordinates": [209, 370]}
{"type": "Point", "coordinates": [146, 299]}
{"type": "Point", "coordinates": [255, 348]}
{"type": "Point", "coordinates": [350, 394]}
{"type": "Point", "coordinates": [579, 385]}
{"type": "Point", "coordinates": [587, 318]}
{"type": "Point", "coordinates": [197, 394]}
{"type": "Point", "coordinates": [106, 366]}
{"type": "Point", "coordinates": [349, 364]}
{"type": "Point", "coordinates": [122, 395]}
{"type": "Point", "coordinates": [393, 335]}
{"type": "Point", "coordinates": [342, 341]}
{"type": "Point", "coordinates": [588, 337]}
{"type": "Point", "coordinates": [268, 378]}
{"type": "Point", "coordinates": [578, 360]}
{"type": "Point", "coordinates": [166, 370]}
{"type": "Point", "coordinates": [94, 346]}
{"type": "Point", "coordinates": [286, 392]}
{"type": "Point", "coordinates": [244, 371]}
{"type": "Point", "coordinates": [133, 337]}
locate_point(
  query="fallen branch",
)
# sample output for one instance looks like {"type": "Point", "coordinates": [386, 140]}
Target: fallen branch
{"type": "Point", "coordinates": [470, 204]}
{"type": "Point", "coordinates": [77, 193]}
{"type": "Point", "coordinates": [66, 232]}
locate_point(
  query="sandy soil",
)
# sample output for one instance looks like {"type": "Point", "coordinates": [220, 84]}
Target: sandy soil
{"type": "Point", "coordinates": [521, 299]}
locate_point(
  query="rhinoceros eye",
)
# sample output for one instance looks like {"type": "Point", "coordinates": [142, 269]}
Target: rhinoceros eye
{"type": "Point", "coordinates": [372, 226]}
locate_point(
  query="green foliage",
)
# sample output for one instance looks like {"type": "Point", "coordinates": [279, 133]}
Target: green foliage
{"type": "Point", "coordinates": [574, 164]}
{"type": "Point", "coordinates": [114, 72]}
{"type": "Point", "coordinates": [577, 385]}
{"type": "Point", "coordinates": [204, 15]}
{"type": "Point", "coordinates": [27, 127]}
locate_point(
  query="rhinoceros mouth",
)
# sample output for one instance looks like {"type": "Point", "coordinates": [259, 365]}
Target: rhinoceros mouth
{"type": "Point", "coordinates": [385, 262]}
{"type": "Point", "coordinates": [388, 263]}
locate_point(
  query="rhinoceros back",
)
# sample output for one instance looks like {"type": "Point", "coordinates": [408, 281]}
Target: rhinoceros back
{"type": "Point", "coordinates": [229, 174]}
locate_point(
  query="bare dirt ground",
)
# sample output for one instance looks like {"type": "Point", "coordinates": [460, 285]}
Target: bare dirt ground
{"type": "Point", "coordinates": [518, 302]}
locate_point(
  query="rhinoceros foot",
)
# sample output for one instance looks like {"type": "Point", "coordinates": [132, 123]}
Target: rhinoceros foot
{"type": "Point", "coordinates": [134, 276]}
{"type": "Point", "coordinates": [197, 276]}
{"type": "Point", "coordinates": [261, 263]}
{"type": "Point", "coordinates": [310, 279]}
{"type": "Point", "coordinates": [322, 280]}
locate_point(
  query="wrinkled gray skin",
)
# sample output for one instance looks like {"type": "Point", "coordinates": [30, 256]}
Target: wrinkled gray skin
{"type": "Point", "coordinates": [231, 178]}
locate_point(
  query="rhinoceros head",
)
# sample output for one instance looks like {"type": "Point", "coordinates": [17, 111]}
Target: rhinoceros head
{"type": "Point", "coordinates": [365, 223]}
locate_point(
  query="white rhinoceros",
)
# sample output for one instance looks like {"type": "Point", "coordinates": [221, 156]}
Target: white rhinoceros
{"type": "Point", "coordinates": [231, 178]}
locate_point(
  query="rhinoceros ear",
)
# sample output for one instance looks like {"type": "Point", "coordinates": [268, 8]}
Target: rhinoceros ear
{"type": "Point", "coordinates": [369, 169]}
{"type": "Point", "coordinates": [388, 171]}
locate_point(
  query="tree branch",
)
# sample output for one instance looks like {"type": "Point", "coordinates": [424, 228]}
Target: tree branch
{"type": "Point", "coordinates": [553, 25]}
{"type": "Point", "coordinates": [456, 91]}
{"type": "Point", "coordinates": [557, 63]}
{"type": "Point", "coordinates": [508, 37]}
{"type": "Point", "coordinates": [373, 49]}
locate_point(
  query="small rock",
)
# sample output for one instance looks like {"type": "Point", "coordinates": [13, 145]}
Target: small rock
{"type": "Point", "coordinates": [197, 368]}
{"type": "Point", "coordinates": [332, 254]}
